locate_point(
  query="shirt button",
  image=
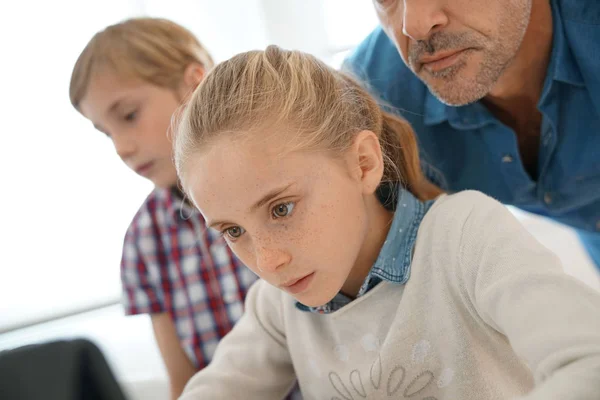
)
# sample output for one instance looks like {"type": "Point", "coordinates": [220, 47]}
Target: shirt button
{"type": "Point", "coordinates": [548, 198]}
{"type": "Point", "coordinates": [507, 159]}
{"type": "Point", "coordinates": [546, 137]}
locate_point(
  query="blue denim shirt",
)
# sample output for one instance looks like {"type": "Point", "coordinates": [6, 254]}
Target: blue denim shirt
{"type": "Point", "coordinates": [394, 260]}
{"type": "Point", "coordinates": [468, 148]}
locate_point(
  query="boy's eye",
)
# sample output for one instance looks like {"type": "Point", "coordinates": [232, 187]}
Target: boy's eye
{"type": "Point", "coordinates": [234, 232]}
{"type": "Point", "coordinates": [131, 116]}
{"type": "Point", "coordinates": [283, 209]}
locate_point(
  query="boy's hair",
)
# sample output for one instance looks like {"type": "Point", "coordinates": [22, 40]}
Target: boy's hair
{"type": "Point", "coordinates": [258, 91]}
{"type": "Point", "coordinates": [151, 49]}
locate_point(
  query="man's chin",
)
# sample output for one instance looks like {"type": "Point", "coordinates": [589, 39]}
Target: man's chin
{"type": "Point", "coordinates": [455, 95]}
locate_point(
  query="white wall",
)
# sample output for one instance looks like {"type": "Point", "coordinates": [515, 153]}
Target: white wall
{"type": "Point", "coordinates": [297, 25]}
{"type": "Point", "coordinates": [68, 198]}
{"type": "Point", "coordinates": [225, 28]}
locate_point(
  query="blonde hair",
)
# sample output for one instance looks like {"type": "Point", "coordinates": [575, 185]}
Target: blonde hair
{"type": "Point", "coordinates": [154, 50]}
{"type": "Point", "coordinates": [327, 109]}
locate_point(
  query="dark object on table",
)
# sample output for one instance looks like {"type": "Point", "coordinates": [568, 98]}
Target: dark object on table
{"type": "Point", "coordinates": [62, 370]}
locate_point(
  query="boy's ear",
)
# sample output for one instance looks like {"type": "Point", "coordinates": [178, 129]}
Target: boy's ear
{"type": "Point", "coordinates": [193, 75]}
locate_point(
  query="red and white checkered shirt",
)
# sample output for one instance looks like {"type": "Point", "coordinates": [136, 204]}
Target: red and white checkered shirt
{"type": "Point", "coordinates": [173, 263]}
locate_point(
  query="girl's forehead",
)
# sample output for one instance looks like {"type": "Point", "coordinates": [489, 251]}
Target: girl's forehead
{"type": "Point", "coordinates": [242, 169]}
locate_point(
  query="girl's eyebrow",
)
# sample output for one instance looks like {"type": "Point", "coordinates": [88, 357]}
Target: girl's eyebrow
{"type": "Point", "coordinates": [269, 196]}
{"type": "Point", "coordinates": [263, 200]}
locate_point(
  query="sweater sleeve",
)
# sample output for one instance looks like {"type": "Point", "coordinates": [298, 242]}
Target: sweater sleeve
{"type": "Point", "coordinates": [518, 287]}
{"type": "Point", "coordinates": [252, 361]}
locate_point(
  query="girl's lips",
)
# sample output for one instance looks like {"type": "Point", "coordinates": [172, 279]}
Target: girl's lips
{"type": "Point", "coordinates": [298, 285]}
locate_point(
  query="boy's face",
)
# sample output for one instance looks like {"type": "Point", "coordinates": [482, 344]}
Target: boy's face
{"type": "Point", "coordinates": [136, 116]}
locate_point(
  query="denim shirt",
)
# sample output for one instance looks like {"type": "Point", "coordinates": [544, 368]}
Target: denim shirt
{"type": "Point", "coordinates": [466, 147]}
{"type": "Point", "coordinates": [394, 260]}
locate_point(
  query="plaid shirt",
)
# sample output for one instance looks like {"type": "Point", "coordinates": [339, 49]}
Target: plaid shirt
{"type": "Point", "coordinates": [173, 263]}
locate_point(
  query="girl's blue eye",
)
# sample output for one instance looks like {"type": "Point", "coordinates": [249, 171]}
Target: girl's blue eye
{"type": "Point", "coordinates": [234, 232]}
{"type": "Point", "coordinates": [283, 209]}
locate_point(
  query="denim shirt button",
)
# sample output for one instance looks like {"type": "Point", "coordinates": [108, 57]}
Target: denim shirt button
{"type": "Point", "coordinates": [507, 159]}
{"type": "Point", "coordinates": [547, 198]}
{"type": "Point", "coordinates": [598, 225]}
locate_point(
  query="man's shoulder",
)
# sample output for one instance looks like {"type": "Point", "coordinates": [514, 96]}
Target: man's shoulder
{"type": "Point", "coordinates": [581, 24]}
{"type": "Point", "coordinates": [580, 11]}
{"type": "Point", "coordinates": [376, 62]}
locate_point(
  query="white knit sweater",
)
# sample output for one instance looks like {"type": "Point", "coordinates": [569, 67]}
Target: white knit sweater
{"type": "Point", "coordinates": [486, 314]}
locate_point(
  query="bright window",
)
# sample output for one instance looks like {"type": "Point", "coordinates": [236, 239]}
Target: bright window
{"type": "Point", "coordinates": [348, 22]}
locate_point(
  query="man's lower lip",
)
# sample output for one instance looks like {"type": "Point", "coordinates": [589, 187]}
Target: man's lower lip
{"type": "Point", "coordinates": [446, 62]}
{"type": "Point", "coordinates": [300, 285]}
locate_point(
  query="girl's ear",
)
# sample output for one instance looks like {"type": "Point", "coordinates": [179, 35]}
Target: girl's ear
{"type": "Point", "coordinates": [367, 152]}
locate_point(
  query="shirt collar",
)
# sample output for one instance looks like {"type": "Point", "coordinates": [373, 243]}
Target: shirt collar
{"type": "Point", "coordinates": [394, 260]}
{"type": "Point", "coordinates": [565, 68]}
{"type": "Point", "coordinates": [177, 208]}
{"type": "Point", "coordinates": [562, 68]}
